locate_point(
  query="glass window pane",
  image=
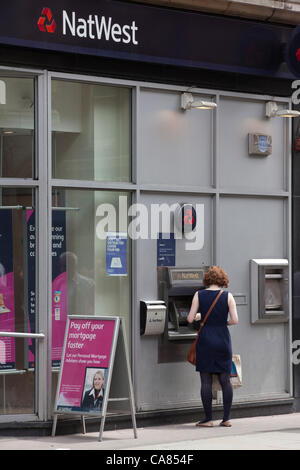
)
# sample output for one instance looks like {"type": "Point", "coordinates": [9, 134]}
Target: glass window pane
{"type": "Point", "coordinates": [17, 300]}
{"type": "Point", "coordinates": [91, 131]}
{"type": "Point", "coordinates": [16, 127]}
{"type": "Point", "coordinates": [17, 390]}
{"type": "Point", "coordinates": [88, 276]}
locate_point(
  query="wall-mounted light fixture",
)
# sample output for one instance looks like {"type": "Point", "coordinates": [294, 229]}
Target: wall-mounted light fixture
{"type": "Point", "coordinates": [272, 110]}
{"type": "Point", "coordinates": [188, 102]}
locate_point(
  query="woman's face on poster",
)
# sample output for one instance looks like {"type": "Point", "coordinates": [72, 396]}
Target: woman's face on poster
{"type": "Point", "coordinates": [98, 381]}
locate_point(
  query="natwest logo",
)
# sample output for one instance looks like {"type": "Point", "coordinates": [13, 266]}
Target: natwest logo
{"type": "Point", "coordinates": [46, 21]}
{"type": "Point", "coordinates": [99, 28]}
{"type": "Point", "coordinates": [95, 27]}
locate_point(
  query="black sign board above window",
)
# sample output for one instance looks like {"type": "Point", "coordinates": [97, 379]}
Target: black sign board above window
{"type": "Point", "coordinates": [146, 33]}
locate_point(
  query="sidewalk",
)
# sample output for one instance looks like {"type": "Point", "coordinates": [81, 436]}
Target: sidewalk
{"type": "Point", "coordinates": [280, 432]}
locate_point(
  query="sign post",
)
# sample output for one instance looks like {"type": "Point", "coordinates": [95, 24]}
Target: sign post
{"type": "Point", "coordinates": [94, 355]}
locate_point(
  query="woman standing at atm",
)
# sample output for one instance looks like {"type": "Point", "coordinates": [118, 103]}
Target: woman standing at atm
{"type": "Point", "coordinates": [214, 352]}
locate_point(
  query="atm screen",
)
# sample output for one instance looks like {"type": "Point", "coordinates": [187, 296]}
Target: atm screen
{"type": "Point", "coordinates": [182, 309]}
{"type": "Point", "coordinates": [192, 275]}
{"type": "Point", "coordinates": [183, 313]}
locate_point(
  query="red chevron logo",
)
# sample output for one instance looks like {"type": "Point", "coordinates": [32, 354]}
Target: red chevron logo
{"type": "Point", "coordinates": [46, 21]}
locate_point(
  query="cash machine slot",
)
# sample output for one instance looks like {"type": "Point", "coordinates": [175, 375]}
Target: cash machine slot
{"type": "Point", "coordinates": [269, 290]}
{"type": "Point", "coordinates": [274, 294]}
{"type": "Point", "coordinates": [177, 287]}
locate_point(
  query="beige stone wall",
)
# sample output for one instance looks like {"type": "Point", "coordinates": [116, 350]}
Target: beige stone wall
{"type": "Point", "coordinates": [285, 11]}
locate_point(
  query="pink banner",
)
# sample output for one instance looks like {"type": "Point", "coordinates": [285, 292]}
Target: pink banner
{"type": "Point", "coordinates": [85, 365]}
{"type": "Point", "coordinates": [59, 315]}
{"type": "Point", "coordinates": [59, 283]}
{"type": "Point", "coordinates": [7, 321]}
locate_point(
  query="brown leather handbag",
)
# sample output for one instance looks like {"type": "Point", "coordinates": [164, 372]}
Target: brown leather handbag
{"type": "Point", "coordinates": [191, 357]}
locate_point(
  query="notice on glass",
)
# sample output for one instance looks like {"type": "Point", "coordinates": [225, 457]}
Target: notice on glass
{"type": "Point", "coordinates": [31, 246]}
{"type": "Point", "coordinates": [85, 365]}
{"type": "Point", "coordinates": [116, 254]}
{"type": "Point", "coordinates": [59, 283]}
{"type": "Point", "coordinates": [166, 250]}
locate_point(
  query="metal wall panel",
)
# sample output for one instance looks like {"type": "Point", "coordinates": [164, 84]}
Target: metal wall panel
{"type": "Point", "coordinates": [169, 384]}
{"type": "Point", "coordinates": [238, 118]}
{"type": "Point", "coordinates": [247, 215]}
{"type": "Point", "coordinates": [252, 228]}
{"type": "Point", "coordinates": [176, 145]}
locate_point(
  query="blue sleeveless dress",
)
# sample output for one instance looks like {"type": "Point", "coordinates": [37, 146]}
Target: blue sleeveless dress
{"type": "Point", "coordinates": [214, 351]}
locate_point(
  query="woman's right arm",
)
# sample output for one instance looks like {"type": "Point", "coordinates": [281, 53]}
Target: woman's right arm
{"type": "Point", "coordinates": [234, 319]}
{"type": "Point", "coordinates": [194, 309]}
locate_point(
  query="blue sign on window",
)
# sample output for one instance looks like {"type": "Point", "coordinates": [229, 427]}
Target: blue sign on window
{"type": "Point", "coordinates": [166, 250]}
{"type": "Point", "coordinates": [116, 254]}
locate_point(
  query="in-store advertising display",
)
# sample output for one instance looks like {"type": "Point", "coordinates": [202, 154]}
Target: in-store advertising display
{"type": "Point", "coordinates": [59, 283]}
{"type": "Point", "coordinates": [116, 254]}
{"type": "Point", "coordinates": [7, 290]}
{"type": "Point", "coordinates": [85, 365]}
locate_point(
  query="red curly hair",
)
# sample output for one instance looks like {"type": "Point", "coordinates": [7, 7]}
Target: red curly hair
{"type": "Point", "coordinates": [215, 275]}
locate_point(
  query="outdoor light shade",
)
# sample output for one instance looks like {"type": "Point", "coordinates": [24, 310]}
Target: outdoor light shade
{"type": "Point", "coordinates": [188, 102]}
{"type": "Point", "coordinates": [273, 111]}
{"type": "Point", "coordinates": [287, 113]}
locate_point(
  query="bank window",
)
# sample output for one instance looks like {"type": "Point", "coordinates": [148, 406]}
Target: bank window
{"type": "Point", "coordinates": [16, 127]}
{"type": "Point", "coordinates": [91, 267]}
{"type": "Point", "coordinates": [91, 131]}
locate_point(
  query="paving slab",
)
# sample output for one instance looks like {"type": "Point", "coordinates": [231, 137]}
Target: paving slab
{"type": "Point", "coordinates": [280, 432]}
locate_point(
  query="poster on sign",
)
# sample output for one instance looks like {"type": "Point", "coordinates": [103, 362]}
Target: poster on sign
{"type": "Point", "coordinates": [88, 359]}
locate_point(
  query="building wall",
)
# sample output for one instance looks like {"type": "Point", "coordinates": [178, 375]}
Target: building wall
{"type": "Point", "coordinates": [286, 11]}
{"type": "Point", "coordinates": [201, 157]}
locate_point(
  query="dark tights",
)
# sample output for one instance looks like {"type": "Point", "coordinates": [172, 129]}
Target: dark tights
{"type": "Point", "coordinates": [206, 394]}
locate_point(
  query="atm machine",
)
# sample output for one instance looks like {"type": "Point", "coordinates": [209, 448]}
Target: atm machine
{"type": "Point", "coordinates": [176, 287]}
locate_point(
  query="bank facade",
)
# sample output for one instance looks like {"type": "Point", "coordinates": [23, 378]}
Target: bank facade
{"type": "Point", "coordinates": [98, 112]}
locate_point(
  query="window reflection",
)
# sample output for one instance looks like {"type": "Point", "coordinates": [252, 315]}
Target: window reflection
{"type": "Point", "coordinates": [91, 131]}
{"type": "Point", "coordinates": [17, 128]}
{"type": "Point", "coordinates": [86, 280]}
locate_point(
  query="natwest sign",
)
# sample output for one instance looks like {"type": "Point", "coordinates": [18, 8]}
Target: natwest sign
{"type": "Point", "coordinates": [94, 26]}
{"type": "Point", "coordinates": [98, 27]}
{"type": "Point", "coordinates": [149, 33]}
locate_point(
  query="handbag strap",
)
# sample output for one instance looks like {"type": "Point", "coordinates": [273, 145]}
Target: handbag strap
{"type": "Point", "coordinates": [209, 311]}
